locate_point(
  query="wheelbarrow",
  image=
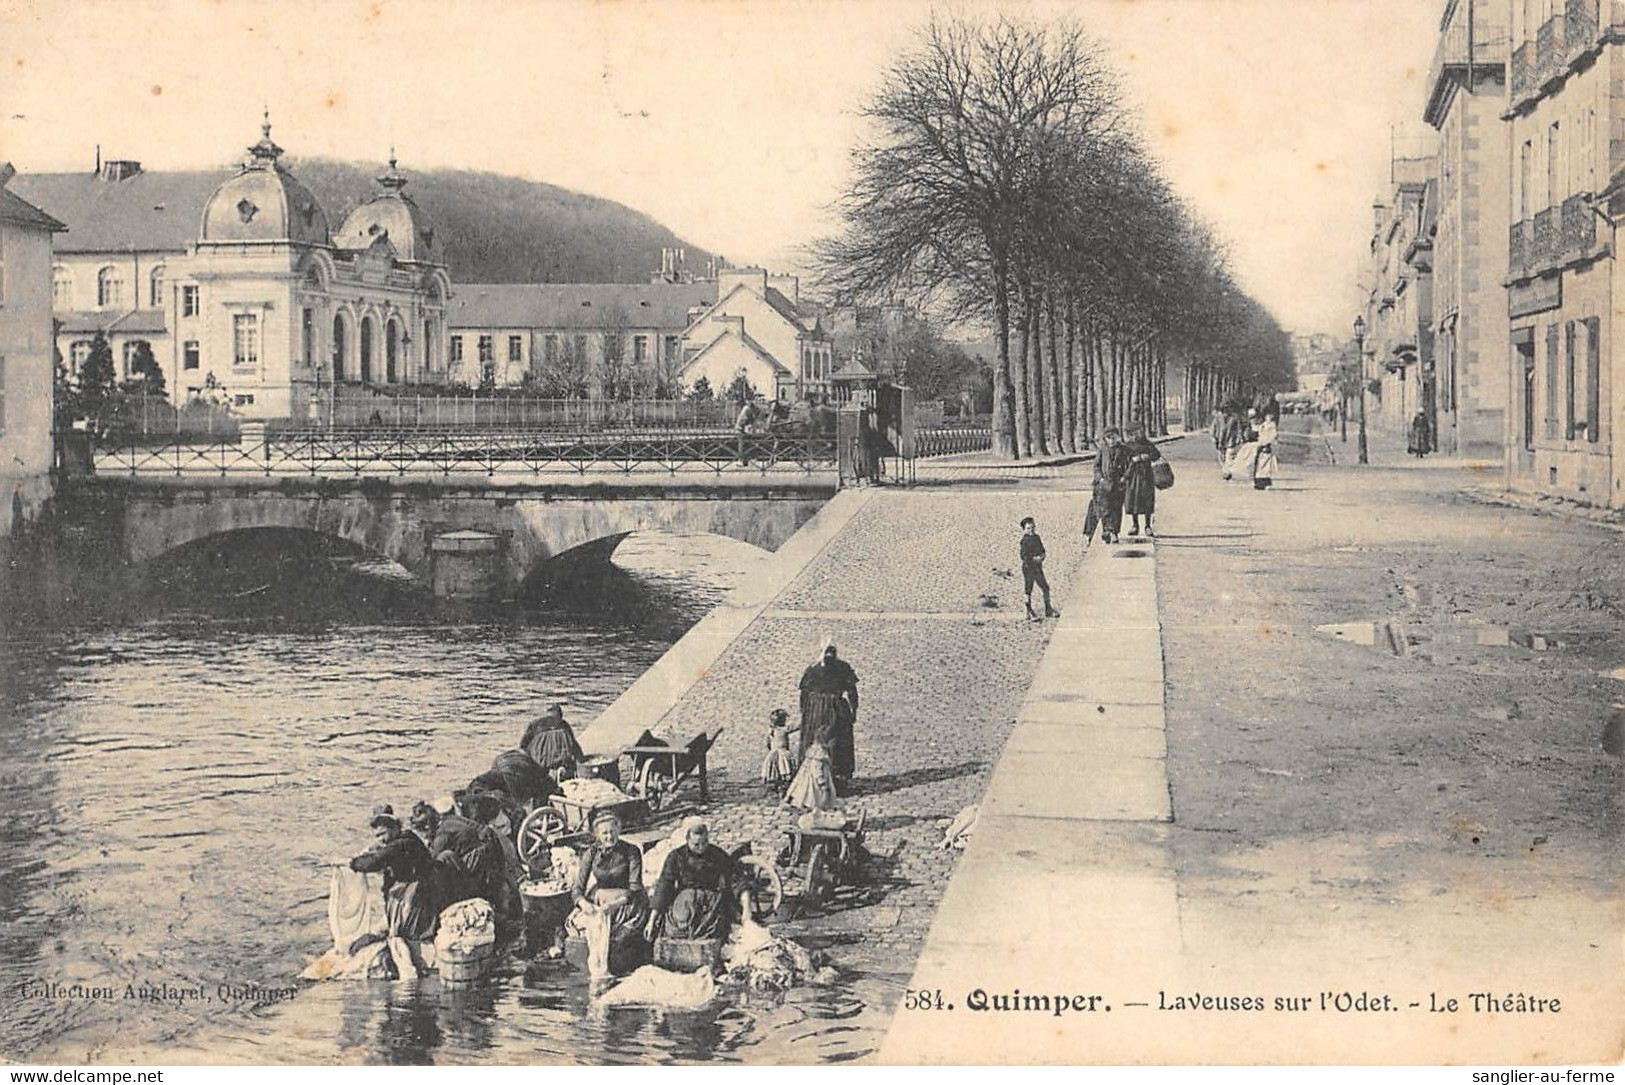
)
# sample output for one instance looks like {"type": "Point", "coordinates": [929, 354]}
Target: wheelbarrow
{"type": "Point", "coordinates": [824, 848]}
{"type": "Point", "coordinates": [659, 768]}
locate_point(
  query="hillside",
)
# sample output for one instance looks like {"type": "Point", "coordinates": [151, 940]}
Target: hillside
{"type": "Point", "coordinates": [506, 230]}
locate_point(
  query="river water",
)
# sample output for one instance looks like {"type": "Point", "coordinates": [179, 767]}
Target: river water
{"type": "Point", "coordinates": [180, 781]}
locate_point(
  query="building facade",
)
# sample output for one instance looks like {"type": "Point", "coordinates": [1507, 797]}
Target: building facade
{"type": "Point", "coordinates": [258, 303]}
{"type": "Point", "coordinates": [568, 340]}
{"type": "Point", "coordinates": [1400, 364]}
{"type": "Point", "coordinates": [1565, 112]}
{"type": "Point", "coordinates": [1466, 96]}
{"type": "Point", "coordinates": [26, 362]}
{"type": "Point", "coordinates": [759, 328]}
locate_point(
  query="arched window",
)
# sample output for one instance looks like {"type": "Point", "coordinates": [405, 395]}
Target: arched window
{"type": "Point", "coordinates": [341, 336]}
{"type": "Point", "coordinates": [366, 350]}
{"type": "Point", "coordinates": [109, 288]}
{"type": "Point", "coordinates": [392, 346]}
{"type": "Point", "coordinates": [61, 288]}
{"type": "Point", "coordinates": [155, 296]}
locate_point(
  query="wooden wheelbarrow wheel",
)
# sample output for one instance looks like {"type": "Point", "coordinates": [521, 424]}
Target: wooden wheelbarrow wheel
{"type": "Point", "coordinates": [654, 784]}
{"type": "Point", "coordinates": [766, 887]}
{"type": "Point", "coordinates": [536, 834]}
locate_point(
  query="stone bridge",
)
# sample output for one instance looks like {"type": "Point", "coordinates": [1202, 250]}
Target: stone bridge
{"type": "Point", "coordinates": [462, 538]}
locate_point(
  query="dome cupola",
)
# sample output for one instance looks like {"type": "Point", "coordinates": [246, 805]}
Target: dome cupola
{"type": "Point", "coordinates": [393, 216]}
{"type": "Point", "coordinates": [264, 202]}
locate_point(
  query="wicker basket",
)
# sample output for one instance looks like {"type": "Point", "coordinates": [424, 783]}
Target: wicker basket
{"type": "Point", "coordinates": [687, 954]}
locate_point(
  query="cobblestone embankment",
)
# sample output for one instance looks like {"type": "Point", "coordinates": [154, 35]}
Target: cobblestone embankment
{"type": "Point", "coordinates": [921, 592]}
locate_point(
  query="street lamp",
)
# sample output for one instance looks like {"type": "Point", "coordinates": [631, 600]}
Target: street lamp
{"type": "Point", "coordinates": [1359, 349]}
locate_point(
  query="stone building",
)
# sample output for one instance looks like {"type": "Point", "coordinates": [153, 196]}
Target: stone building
{"type": "Point", "coordinates": [244, 293]}
{"type": "Point", "coordinates": [1399, 307]}
{"type": "Point", "coordinates": [569, 339]}
{"type": "Point", "coordinates": [1466, 93]}
{"type": "Point", "coordinates": [26, 362]}
{"type": "Point", "coordinates": [1564, 112]}
{"type": "Point", "coordinates": [759, 327]}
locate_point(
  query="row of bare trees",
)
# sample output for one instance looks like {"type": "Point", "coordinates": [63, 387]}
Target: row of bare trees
{"type": "Point", "coordinates": [1005, 184]}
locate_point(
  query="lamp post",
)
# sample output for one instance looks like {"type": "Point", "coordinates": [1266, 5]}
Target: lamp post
{"type": "Point", "coordinates": [1359, 349]}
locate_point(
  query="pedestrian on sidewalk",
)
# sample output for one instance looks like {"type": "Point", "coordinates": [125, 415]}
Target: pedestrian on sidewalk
{"type": "Point", "coordinates": [1032, 568]}
{"type": "Point", "coordinates": [829, 711]}
{"type": "Point", "coordinates": [1139, 485]}
{"type": "Point", "coordinates": [1233, 437]}
{"type": "Point", "coordinates": [1264, 460]}
{"type": "Point", "coordinates": [1419, 441]}
{"type": "Point", "coordinates": [1106, 500]}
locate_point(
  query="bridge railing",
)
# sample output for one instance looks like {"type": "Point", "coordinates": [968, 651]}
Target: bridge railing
{"type": "Point", "coordinates": [374, 450]}
{"type": "Point", "coordinates": [952, 440]}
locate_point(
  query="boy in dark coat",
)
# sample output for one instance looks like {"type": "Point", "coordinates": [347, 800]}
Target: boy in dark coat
{"type": "Point", "coordinates": [1032, 569]}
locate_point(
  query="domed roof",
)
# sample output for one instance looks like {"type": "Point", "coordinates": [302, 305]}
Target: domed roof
{"type": "Point", "coordinates": [394, 215]}
{"type": "Point", "coordinates": [264, 202]}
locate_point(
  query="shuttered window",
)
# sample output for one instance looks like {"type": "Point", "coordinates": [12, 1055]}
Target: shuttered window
{"type": "Point", "coordinates": [1593, 380]}
{"type": "Point", "coordinates": [1551, 382]}
{"type": "Point", "coordinates": [1568, 382]}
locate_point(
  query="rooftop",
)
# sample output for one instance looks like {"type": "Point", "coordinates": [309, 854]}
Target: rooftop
{"type": "Point", "coordinates": [585, 306]}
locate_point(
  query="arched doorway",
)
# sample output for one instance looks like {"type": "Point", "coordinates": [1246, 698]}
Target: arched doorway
{"type": "Point", "coordinates": [366, 349]}
{"type": "Point", "coordinates": [392, 346]}
{"type": "Point", "coordinates": [341, 336]}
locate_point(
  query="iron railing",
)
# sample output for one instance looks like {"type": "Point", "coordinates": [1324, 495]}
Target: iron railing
{"type": "Point", "coordinates": [1523, 74]}
{"type": "Point", "coordinates": [1579, 225]}
{"type": "Point", "coordinates": [377, 451]}
{"type": "Point", "coordinates": [1548, 50]}
{"type": "Point", "coordinates": [528, 412]}
{"type": "Point", "coordinates": [952, 440]}
{"type": "Point", "coordinates": [1581, 18]}
{"type": "Point", "coordinates": [1547, 238]}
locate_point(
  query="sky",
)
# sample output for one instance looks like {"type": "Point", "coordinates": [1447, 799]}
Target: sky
{"type": "Point", "coordinates": [730, 121]}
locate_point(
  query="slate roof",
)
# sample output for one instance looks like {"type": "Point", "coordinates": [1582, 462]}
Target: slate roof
{"type": "Point", "coordinates": [744, 336]}
{"type": "Point", "coordinates": [149, 211]}
{"type": "Point", "coordinates": [15, 209]}
{"type": "Point", "coordinates": [571, 306]}
{"type": "Point", "coordinates": [127, 321]}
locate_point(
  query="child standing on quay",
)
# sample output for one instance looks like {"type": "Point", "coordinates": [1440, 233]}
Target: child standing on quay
{"type": "Point", "coordinates": [780, 764]}
{"type": "Point", "coordinates": [814, 785]}
{"type": "Point", "coordinates": [1032, 569]}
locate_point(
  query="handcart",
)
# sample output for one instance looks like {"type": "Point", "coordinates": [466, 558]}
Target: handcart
{"type": "Point", "coordinates": [659, 768]}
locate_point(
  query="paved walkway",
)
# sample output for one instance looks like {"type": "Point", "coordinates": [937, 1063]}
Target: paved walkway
{"type": "Point", "coordinates": [1301, 830]}
{"type": "Point", "coordinates": [921, 592]}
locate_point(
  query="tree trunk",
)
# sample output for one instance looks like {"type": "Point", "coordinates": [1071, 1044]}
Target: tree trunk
{"type": "Point", "coordinates": [1018, 374]}
{"type": "Point", "coordinates": [1057, 407]}
{"type": "Point", "coordinates": [1027, 421]}
{"type": "Point", "coordinates": [1032, 300]}
{"type": "Point", "coordinates": [1004, 428]}
{"type": "Point", "coordinates": [1069, 380]}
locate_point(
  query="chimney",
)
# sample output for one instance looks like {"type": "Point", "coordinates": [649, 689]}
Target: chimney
{"type": "Point", "coordinates": [98, 160]}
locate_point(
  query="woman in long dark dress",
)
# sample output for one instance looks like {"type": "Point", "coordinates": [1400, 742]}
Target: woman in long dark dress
{"type": "Point", "coordinates": [1139, 489]}
{"type": "Point", "coordinates": [611, 880]}
{"type": "Point", "coordinates": [552, 744]}
{"type": "Point", "coordinates": [410, 907]}
{"type": "Point", "coordinates": [702, 890]}
{"type": "Point", "coordinates": [829, 708]}
{"type": "Point", "coordinates": [1106, 502]}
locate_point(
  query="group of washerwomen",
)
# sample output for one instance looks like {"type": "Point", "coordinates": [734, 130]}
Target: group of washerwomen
{"type": "Point", "coordinates": [436, 860]}
{"type": "Point", "coordinates": [1244, 439]}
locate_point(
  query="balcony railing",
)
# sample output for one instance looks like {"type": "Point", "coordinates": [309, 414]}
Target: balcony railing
{"type": "Point", "coordinates": [1523, 75]}
{"type": "Point", "coordinates": [1451, 56]}
{"type": "Point", "coordinates": [1548, 50]}
{"type": "Point", "coordinates": [1580, 33]}
{"type": "Point", "coordinates": [1579, 225]}
{"type": "Point", "coordinates": [1556, 236]}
